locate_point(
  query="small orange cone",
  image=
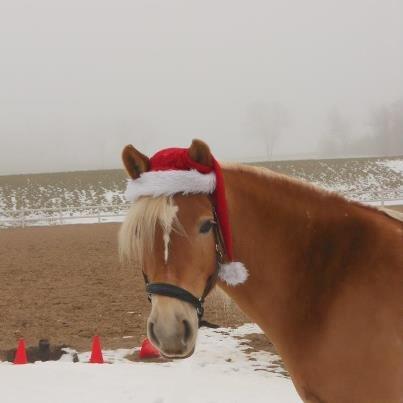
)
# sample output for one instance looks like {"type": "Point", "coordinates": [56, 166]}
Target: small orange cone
{"type": "Point", "coordinates": [147, 350]}
{"type": "Point", "coordinates": [96, 352]}
{"type": "Point", "coordinates": [21, 354]}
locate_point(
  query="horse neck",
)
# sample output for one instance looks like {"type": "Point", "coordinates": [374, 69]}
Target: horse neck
{"type": "Point", "coordinates": [276, 225]}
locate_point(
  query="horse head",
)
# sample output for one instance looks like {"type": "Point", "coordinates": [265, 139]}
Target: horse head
{"type": "Point", "coordinates": [172, 234]}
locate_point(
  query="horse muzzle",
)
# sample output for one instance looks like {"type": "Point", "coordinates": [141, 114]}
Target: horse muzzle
{"type": "Point", "coordinates": [172, 326]}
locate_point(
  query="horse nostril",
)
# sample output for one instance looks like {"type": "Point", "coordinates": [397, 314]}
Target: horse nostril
{"type": "Point", "coordinates": [152, 335]}
{"type": "Point", "coordinates": [188, 331]}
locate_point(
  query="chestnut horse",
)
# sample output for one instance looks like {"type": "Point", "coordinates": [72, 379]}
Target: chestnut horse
{"type": "Point", "coordinates": [325, 276]}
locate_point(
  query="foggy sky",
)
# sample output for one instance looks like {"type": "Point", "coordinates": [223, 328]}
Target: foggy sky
{"type": "Point", "coordinates": [79, 79]}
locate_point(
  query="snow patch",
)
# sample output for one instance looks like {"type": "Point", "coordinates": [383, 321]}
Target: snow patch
{"type": "Point", "coordinates": [220, 371]}
{"type": "Point", "coordinates": [394, 165]}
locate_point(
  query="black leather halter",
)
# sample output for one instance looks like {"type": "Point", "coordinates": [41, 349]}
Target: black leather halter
{"type": "Point", "coordinates": [173, 291]}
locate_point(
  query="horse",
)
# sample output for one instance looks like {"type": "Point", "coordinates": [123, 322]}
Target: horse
{"type": "Point", "coordinates": [325, 275]}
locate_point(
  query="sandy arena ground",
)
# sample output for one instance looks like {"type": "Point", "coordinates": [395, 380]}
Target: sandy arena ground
{"type": "Point", "coordinates": [397, 208]}
{"type": "Point", "coordinates": [65, 284]}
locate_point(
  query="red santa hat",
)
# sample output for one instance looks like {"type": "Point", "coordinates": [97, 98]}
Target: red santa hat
{"type": "Point", "coordinates": [172, 171]}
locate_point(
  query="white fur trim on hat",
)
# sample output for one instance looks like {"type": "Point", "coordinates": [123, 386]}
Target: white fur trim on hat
{"type": "Point", "coordinates": [233, 273]}
{"type": "Point", "coordinates": [168, 183]}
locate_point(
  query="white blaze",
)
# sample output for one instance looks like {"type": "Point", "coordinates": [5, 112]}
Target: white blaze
{"type": "Point", "coordinates": [167, 221]}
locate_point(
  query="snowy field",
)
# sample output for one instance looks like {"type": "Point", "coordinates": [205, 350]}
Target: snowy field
{"type": "Point", "coordinates": [69, 198]}
{"type": "Point", "coordinates": [222, 370]}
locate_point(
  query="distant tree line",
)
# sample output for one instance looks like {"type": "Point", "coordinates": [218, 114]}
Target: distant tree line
{"type": "Point", "coordinates": [384, 136]}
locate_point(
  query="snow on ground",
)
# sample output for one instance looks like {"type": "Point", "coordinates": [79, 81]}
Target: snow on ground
{"type": "Point", "coordinates": [78, 218]}
{"type": "Point", "coordinates": [395, 165]}
{"type": "Point", "coordinates": [220, 371]}
{"type": "Point", "coordinates": [75, 196]}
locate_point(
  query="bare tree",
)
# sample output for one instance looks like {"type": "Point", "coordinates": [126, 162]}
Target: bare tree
{"type": "Point", "coordinates": [335, 141]}
{"type": "Point", "coordinates": [267, 121]}
{"type": "Point", "coordinates": [387, 129]}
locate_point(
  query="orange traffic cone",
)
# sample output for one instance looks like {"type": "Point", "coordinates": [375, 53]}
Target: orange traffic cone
{"type": "Point", "coordinates": [147, 350]}
{"type": "Point", "coordinates": [21, 354]}
{"type": "Point", "coordinates": [96, 352]}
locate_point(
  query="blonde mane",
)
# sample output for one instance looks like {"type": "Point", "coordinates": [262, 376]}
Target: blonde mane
{"type": "Point", "coordinates": [137, 233]}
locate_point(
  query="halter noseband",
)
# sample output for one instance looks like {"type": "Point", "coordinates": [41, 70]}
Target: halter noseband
{"type": "Point", "coordinates": [173, 291]}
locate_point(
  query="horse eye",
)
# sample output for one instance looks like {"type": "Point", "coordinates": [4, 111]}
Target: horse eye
{"type": "Point", "coordinates": [206, 226]}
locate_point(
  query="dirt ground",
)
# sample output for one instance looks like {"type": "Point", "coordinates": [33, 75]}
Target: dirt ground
{"type": "Point", "coordinates": [65, 284]}
{"type": "Point", "coordinates": [397, 208]}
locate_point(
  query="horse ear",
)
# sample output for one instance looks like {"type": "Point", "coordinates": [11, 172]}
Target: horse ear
{"type": "Point", "coordinates": [134, 161]}
{"type": "Point", "coordinates": [200, 152]}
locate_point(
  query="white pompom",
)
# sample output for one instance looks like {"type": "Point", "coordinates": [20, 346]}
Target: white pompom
{"type": "Point", "coordinates": [233, 273]}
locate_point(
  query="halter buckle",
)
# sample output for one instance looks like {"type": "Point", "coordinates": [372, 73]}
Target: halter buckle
{"type": "Point", "coordinates": [220, 253]}
{"type": "Point", "coordinates": [200, 309]}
